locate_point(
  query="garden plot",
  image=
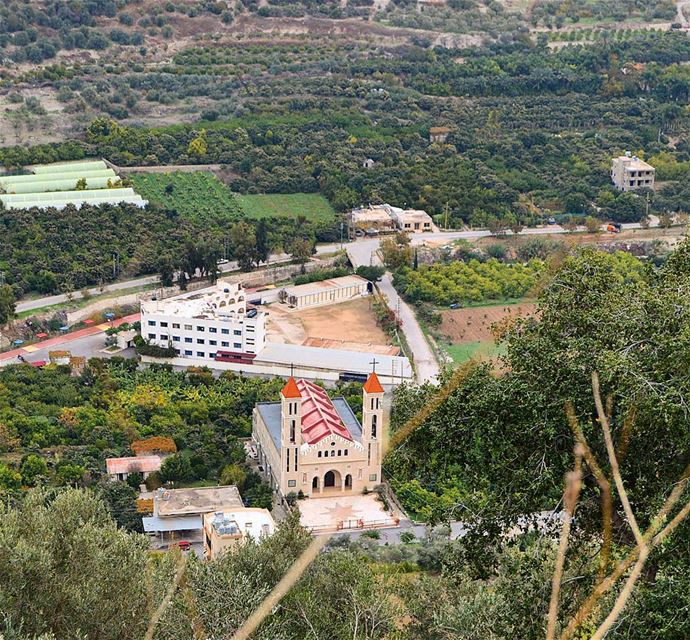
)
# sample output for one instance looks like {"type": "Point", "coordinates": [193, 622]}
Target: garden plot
{"type": "Point", "coordinates": [468, 331]}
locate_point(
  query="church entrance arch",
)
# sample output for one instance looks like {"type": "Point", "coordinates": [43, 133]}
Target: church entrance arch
{"type": "Point", "coordinates": [331, 480]}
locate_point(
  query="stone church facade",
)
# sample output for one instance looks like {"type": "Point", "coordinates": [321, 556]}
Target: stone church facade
{"type": "Point", "coordinates": [311, 443]}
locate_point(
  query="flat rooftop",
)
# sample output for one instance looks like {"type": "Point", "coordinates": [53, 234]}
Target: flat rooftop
{"type": "Point", "coordinates": [180, 502]}
{"type": "Point", "coordinates": [635, 164]}
{"type": "Point", "coordinates": [223, 301]}
{"type": "Point", "coordinates": [334, 360]}
{"type": "Point", "coordinates": [372, 214]}
{"type": "Point", "coordinates": [253, 522]}
{"type": "Point", "coordinates": [324, 285]}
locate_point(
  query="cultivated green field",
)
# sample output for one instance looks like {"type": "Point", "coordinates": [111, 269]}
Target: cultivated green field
{"type": "Point", "coordinates": [198, 196]}
{"type": "Point", "coordinates": [202, 196]}
{"type": "Point", "coordinates": [312, 206]}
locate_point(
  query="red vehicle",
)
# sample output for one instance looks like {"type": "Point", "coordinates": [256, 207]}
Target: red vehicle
{"type": "Point", "coordinates": [614, 227]}
{"type": "Point", "coordinates": [185, 545]}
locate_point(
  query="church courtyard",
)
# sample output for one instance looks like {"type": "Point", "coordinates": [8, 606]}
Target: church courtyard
{"type": "Point", "coordinates": [337, 513]}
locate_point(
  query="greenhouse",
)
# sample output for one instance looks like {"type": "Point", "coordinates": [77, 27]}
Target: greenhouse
{"type": "Point", "coordinates": [57, 167]}
{"type": "Point", "coordinates": [56, 185]}
{"type": "Point", "coordinates": [60, 184]}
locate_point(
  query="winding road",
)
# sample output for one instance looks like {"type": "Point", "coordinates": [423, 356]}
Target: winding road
{"type": "Point", "coordinates": [364, 252]}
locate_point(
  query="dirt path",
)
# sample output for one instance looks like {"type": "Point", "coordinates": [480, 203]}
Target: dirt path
{"type": "Point", "coordinates": [182, 168]}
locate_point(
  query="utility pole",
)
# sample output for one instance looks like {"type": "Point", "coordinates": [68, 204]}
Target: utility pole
{"type": "Point", "coordinates": [445, 211]}
{"type": "Point", "coordinates": [342, 226]}
{"type": "Point", "coordinates": [116, 264]}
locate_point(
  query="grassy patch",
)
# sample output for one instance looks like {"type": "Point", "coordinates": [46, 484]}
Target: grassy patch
{"type": "Point", "coordinates": [197, 196]}
{"type": "Point", "coordinates": [312, 206]}
{"type": "Point", "coordinates": [460, 353]}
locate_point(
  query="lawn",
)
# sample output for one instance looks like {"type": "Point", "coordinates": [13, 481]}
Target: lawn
{"type": "Point", "coordinates": [312, 206]}
{"type": "Point", "coordinates": [198, 196]}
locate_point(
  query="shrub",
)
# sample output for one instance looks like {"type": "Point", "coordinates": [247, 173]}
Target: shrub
{"type": "Point", "coordinates": [407, 537]}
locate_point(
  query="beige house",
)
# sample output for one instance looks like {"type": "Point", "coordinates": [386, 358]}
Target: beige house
{"type": "Point", "coordinates": [628, 173]}
{"type": "Point", "coordinates": [180, 511]}
{"type": "Point", "coordinates": [438, 134]}
{"type": "Point", "coordinates": [225, 529]}
{"type": "Point", "coordinates": [384, 218]}
{"type": "Point", "coordinates": [412, 220]}
{"type": "Point", "coordinates": [374, 218]}
{"type": "Point", "coordinates": [323, 292]}
{"type": "Point", "coordinates": [311, 443]}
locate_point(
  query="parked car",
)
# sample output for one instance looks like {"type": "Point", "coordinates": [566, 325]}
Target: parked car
{"type": "Point", "coordinates": [551, 220]}
{"type": "Point", "coordinates": [184, 545]}
{"type": "Point", "coordinates": [252, 313]}
{"type": "Point", "coordinates": [455, 305]}
{"type": "Point", "coordinates": [614, 227]}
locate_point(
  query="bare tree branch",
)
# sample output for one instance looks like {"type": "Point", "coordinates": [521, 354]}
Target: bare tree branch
{"type": "Point", "coordinates": [614, 462]}
{"type": "Point", "coordinates": [604, 485]}
{"type": "Point", "coordinates": [573, 484]}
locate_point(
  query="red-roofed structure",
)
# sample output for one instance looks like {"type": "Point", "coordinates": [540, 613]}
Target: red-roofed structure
{"type": "Point", "coordinates": [290, 390]}
{"type": "Point", "coordinates": [314, 444]}
{"type": "Point", "coordinates": [373, 385]}
{"type": "Point", "coordinates": [120, 468]}
{"type": "Point", "coordinates": [319, 417]}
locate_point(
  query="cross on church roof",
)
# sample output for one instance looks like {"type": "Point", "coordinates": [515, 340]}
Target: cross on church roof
{"type": "Point", "coordinates": [292, 369]}
{"type": "Point", "coordinates": [373, 364]}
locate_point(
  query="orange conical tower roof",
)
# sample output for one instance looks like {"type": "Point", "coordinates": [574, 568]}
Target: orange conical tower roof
{"type": "Point", "coordinates": [291, 390]}
{"type": "Point", "coordinates": [372, 385]}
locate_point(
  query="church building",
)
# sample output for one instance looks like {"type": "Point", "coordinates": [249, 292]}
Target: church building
{"type": "Point", "coordinates": [311, 443]}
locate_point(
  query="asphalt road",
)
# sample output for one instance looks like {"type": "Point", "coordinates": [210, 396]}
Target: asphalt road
{"type": "Point", "coordinates": [364, 252]}
{"type": "Point", "coordinates": [228, 267]}
{"type": "Point", "coordinates": [425, 363]}
{"type": "Point", "coordinates": [361, 250]}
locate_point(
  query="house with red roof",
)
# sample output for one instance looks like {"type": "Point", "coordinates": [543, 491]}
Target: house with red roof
{"type": "Point", "coordinates": [120, 468]}
{"type": "Point", "coordinates": [313, 443]}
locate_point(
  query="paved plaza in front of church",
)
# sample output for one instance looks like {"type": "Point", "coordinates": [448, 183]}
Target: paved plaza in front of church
{"type": "Point", "coordinates": [337, 513]}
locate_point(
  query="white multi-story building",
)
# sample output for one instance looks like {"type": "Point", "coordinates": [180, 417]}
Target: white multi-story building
{"type": "Point", "coordinates": [628, 173]}
{"type": "Point", "coordinates": [212, 323]}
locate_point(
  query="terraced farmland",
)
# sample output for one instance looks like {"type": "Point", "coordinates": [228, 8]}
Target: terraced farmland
{"type": "Point", "coordinates": [197, 196]}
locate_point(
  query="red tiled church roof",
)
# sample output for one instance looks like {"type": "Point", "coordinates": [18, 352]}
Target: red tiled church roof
{"type": "Point", "coordinates": [319, 417]}
{"type": "Point", "coordinates": [373, 385]}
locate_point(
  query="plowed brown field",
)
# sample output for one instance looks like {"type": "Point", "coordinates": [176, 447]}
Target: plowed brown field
{"type": "Point", "coordinates": [474, 323]}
